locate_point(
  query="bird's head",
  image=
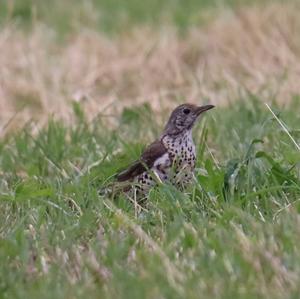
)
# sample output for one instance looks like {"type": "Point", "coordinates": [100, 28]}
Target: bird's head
{"type": "Point", "coordinates": [183, 118]}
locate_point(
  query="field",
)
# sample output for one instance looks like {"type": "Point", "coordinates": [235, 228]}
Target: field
{"type": "Point", "coordinates": [85, 86]}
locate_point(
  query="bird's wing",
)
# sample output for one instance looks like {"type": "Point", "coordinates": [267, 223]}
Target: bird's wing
{"type": "Point", "coordinates": [149, 156]}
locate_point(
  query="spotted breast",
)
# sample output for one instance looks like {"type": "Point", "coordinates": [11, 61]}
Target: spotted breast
{"type": "Point", "coordinates": [176, 165]}
{"type": "Point", "coordinates": [172, 156]}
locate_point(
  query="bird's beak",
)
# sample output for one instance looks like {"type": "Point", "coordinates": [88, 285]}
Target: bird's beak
{"type": "Point", "coordinates": [202, 109]}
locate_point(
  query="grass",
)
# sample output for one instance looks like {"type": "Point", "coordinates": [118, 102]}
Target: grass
{"type": "Point", "coordinates": [233, 234]}
{"type": "Point", "coordinates": [74, 111]}
{"type": "Point", "coordinates": [249, 49]}
{"type": "Point", "coordinates": [111, 16]}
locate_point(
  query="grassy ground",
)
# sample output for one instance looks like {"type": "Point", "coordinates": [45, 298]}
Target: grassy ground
{"type": "Point", "coordinates": [233, 234]}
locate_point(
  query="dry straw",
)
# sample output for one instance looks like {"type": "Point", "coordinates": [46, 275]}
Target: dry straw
{"type": "Point", "coordinates": [249, 49]}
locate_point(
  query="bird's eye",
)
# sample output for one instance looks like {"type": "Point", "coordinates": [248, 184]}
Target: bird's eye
{"type": "Point", "coordinates": [186, 111]}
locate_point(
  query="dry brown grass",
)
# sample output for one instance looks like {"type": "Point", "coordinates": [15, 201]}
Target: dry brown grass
{"type": "Point", "coordinates": [251, 49]}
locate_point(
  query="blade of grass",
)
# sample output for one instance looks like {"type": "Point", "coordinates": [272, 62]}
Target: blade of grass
{"type": "Point", "coordinates": [285, 129]}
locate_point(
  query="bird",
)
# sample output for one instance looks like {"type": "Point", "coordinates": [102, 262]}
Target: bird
{"type": "Point", "coordinates": [171, 157]}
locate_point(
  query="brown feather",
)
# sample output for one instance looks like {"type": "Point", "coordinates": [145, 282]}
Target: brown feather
{"type": "Point", "coordinates": [154, 151]}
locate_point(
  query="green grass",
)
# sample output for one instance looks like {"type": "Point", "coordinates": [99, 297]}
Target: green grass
{"type": "Point", "coordinates": [111, 16]}
{"type": "Point", "coordinates": [234, 234]}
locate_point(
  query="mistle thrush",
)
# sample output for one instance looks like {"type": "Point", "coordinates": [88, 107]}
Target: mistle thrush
{"type": "Point", "coordinates": [170, 158]}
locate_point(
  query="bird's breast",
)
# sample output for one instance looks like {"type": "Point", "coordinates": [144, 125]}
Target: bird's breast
{"type": "Point", "coordinates": [181, 150]}
{"type": "Point", "coordinates": [176, 165]}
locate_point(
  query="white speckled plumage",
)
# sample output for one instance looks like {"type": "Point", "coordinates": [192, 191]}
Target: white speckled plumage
{"type": "Point", "coordinates": [176, 165]}
{"type": "Point", "coordinates": [170, 158]}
